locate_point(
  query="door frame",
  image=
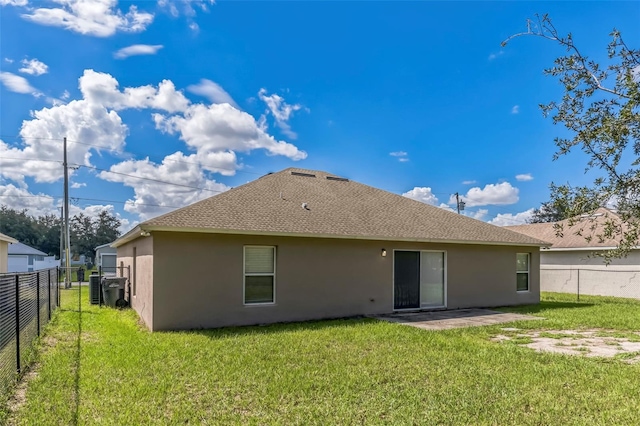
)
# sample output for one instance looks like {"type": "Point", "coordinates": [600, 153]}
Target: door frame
{"type": "Point", "coordinates": [393, 281]}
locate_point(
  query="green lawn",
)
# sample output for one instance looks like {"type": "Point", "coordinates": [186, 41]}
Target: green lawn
{"type": "Point", "coordinates": [344, 372]}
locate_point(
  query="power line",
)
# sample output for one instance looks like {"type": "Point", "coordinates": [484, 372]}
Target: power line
{"type": "Point", "coordinates": [151, 179]}
{"type": "Point", "coordinates": [112, 150]}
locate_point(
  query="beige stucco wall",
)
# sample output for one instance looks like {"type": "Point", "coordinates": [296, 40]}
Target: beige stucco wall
{"type": "Point", "coordinates": [198, 278]}
{"type": "Point", "coordinates": [577, 272]}
{"type": "Point", "coordinates": [141, 277]}
{"type": "Point", "coordinates": [582, 257]}
{"type": "Point", "coordinates": [4, 256]}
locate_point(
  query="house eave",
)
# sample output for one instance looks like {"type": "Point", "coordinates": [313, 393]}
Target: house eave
{"type": "Point", "coordinates": [551, 249]}
{"type": "Point", "coordinates": [141, 229]}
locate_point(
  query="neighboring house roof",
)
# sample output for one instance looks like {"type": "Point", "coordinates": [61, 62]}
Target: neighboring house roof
{"type": "Point", "coordinates": [103, 246]}
{"type": "Point", "coordinates": [22, 249]}
{"type": "Point", "coordinates": [573, 237]}
{"type": "Point", "coordinates": [7, 238]}
{"type": "Point", "coordinates": [307, 203]}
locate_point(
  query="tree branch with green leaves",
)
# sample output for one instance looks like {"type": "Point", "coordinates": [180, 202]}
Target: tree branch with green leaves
{"type": "Point", "coordinates": [600, 110]}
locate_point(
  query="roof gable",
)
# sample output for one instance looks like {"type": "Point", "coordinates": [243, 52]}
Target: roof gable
{"type": "Point", "coordinates": [573, 236]}
{"type": "Point", "coordinates": [19, 248]}
{"type": "Point", "coordinates": [303, 202]}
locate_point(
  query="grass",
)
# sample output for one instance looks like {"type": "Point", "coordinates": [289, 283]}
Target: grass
{"type": "Point", "coordinates": [74, 274]}
{"type": "Point", "coordinates": [358, 371]}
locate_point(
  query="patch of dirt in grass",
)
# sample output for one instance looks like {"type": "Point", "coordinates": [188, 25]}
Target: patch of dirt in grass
{"type": "Point", "coordinates": [590, 343]}
{"type": "Point", "coordinates": [19, 396]}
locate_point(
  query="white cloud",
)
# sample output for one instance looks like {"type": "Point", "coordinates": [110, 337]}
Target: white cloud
{"type": "Point", "coordinates": [495, 55]}
{"type": "Point", "coordinates": [221, 127]}
{"type": "Point", "coordinates": [422, 194]}
{"type": "Point", "coordinates": [635, 72]}
{"type": "Point", "coordinates": [187, 8]}
{"type": "Point", "coordinates": [216, 132]}
{"type": "Point", "coordinates": [515, 109]}
{"type": "Point", "coordinates": [20, 198]}
{"type": "Point", "coordinates": [65, 95]}
{"type": "Point", "coordinates": [7, 60]}
{"type": "Point", "coordinates": [510, 219]}
{"type": "Point", "coordinates": [33, 67]}
{"type": "Point", "coordinates": [150, 195]}
{"type": "Point", "coordinates": [137, 50]}
{"type": "Point", "coordinates": [102, 88]}
{"type": "Point", "coordinates": [524, 177]}
{"type": "Point", "coordinates": [280, 110]}
{"type": "Point", "coordinates": [212, 91]}
{"type": "Point", "coordinates": [469, 182]}
{"type": "Point", "coordinates": [42, 136]}
{"type": "Point", "coordinates": [492, 194]}
{"type": "Point", "coordinates": [478, 214]}
{"type": "Point", "coordinates": [99, 18]}
{"type": "Point", "coordinates": [76, 185]}
{"type": "Point", "coordinates": [402, 156]}
{"type": "Point", "coordinates": [13, 3]}
{"type": "Point", "coordinates": [18, 84]}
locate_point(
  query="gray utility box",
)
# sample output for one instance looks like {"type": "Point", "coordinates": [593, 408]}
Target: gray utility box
{"type": "Point", "coordinates": [113, 291]}
{"type": "Point", "coordinates": [94, 289]}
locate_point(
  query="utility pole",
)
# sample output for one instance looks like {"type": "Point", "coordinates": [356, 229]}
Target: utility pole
{"type": "Point", "coordinates": [61, 236]}
{"type": "Point", "coordinates": [459, 203]}
{"type": "Point", "coordinates": [67, 255]}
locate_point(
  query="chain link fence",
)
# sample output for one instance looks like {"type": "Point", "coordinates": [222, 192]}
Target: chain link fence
{"type": "Point", "coordinates": [27, 301]}
{"type": "Point", "coordinates": [615, 282]}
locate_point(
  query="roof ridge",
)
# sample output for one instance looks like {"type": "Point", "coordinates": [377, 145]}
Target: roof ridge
{"type": "Point", "coordinates": [331, 208]}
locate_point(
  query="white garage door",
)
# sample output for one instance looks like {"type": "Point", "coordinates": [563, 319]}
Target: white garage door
{"type": "Point", "coordinates": [18, 263]}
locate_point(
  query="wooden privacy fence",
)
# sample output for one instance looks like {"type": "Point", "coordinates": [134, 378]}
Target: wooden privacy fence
{"type": "Point", "coordinates": [27, 301]}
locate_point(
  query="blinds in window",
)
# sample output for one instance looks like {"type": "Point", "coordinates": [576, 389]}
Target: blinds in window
{"type": "Point", "coordinates": [258, 260]}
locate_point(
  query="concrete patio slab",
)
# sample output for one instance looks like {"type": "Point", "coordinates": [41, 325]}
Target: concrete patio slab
{"type": "Point", "coordinates": [445, 320]}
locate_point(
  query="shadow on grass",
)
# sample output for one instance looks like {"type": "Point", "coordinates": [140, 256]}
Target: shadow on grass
{"type": "Point", "coordinates": [545, 306]}
{"type": "Point", "coordinates": [289, 327]}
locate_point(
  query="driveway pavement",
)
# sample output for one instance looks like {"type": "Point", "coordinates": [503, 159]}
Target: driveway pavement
{"type": "Point", "coordinates": [445, 320]}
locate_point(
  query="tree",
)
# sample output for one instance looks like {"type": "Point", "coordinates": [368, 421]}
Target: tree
{"type": "Point", "coordinates": [19, 225]}
{"type": "Point", "coordinates": [49, 228]}
{"type": "Point", "coordinates": [561, 207]}
{"type": "Point", "coordinates": [43, 232]}
{"type": "Point", "coordinates": [600, 109]}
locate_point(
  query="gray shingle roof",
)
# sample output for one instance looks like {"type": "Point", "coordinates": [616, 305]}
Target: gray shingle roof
{"type": "Point", "coordinates": [273, 204]}
{"type": "Point", "coordinates": [19, 248]}
{"type": "Point", "coordinates": [588, 225]}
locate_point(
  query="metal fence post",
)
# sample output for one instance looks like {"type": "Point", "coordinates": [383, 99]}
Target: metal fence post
{"type": "Point", "coordinates": [18, 323]}
{"type": "Point", "coordinates": [49, 293]}
{"type": "Point", "coordinates": [100, 286]}
{"type": "Point", "coordinates": [578, 284]}
{"type": "Point", "coordinates": [38, 299]}
{"type": "Point", "coordinates": [57, 287]}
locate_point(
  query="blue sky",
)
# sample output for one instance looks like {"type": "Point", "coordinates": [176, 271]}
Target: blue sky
{"type": "Point", "coordinates": [165, 103]}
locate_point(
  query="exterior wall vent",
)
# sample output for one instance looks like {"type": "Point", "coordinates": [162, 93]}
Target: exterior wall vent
{"type": "Point", "coordinates": [303, 174]}
{"type": "Point", "coordinates": [337, 178]}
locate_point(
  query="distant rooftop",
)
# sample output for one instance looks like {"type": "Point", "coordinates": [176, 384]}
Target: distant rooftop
{"type": "Point", "coordinates": [19, 248]}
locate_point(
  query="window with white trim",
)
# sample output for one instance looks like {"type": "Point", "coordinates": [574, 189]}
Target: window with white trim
{"type": "Point", "coordinates": [259, 274]}
{"type": "Point", "coordinates": [522, 271]}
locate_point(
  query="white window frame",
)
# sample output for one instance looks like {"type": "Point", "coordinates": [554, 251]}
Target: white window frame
{"type": "Point", "coordinates": [261, 274]}
{"type": "Point", "coordinates": [446, 281]}
{"type": "Point", "coordinates": [528, 272]}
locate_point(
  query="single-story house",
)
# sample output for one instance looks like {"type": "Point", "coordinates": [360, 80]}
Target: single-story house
{"type": "Point", "coordinates": [573, 262]}
{"type": "Point", "coordinates": [106, 258]}
{"type": "Point", "coordinates": [24, 258]}
{"type": "Point", "coordinates": [300, 245]}
{"type": "Point", "coordinates": [5, 240]}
